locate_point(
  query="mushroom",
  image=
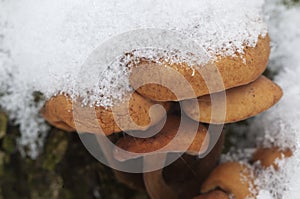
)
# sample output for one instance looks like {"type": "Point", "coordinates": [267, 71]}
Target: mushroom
{"type": "Point", "coordinates": [268, 156]}
{"type": "Point", "coordinates": [134, 113]}
{"type": "Point", "coordinates": [233, 70]}
{"type": "Point", "coordinates": [241, 102]}
{"type": "Point", "coordinates": [233, 178]}
{"type": "Point", "coordinates": [162, 183]}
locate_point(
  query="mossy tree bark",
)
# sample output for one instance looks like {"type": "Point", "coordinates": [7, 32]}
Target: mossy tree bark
{"type": "Point", "coordinates": [64, 170]}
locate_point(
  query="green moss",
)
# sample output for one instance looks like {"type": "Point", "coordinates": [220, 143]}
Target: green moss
{"type": "Point", "coordinates": [3, 124]}
{"type": "Point", "coordinates": [46, 185]}
{"type": "Point", "coordinates": [2, 161]}
{"type": "Point", "coordinates": [291, 3]}
{"type": "Point", "coordinates": [55, 149]}
{"type": "Point", "coordinates": [9, 144]}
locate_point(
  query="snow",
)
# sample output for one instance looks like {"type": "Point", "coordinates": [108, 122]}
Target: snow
{"type": "Point", "coordinates": [58, 36]}
{"type": "Point", "coordinates": [44, 45]}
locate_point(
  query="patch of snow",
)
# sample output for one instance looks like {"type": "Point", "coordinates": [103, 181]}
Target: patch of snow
{"type": "Point", "coordinates": [43, 44]}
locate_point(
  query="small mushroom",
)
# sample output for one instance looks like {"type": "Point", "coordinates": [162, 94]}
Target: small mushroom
{"type": "Point", "coordinates": [134, 113]}
{"type": "Point", "coordinates": [268, 156]}
{"type": "Point", "coordinates": [167, 142]}
{"type": "Point", "coordinates": [217, 194]}
{"type": "Point", "coordinates": [241, 102]}
{"type": "Point", "coordinates": [233, 178]}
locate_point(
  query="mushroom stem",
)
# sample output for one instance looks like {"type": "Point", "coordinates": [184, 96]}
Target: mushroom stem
{"type": "Point", "coordinates": [154, 180]}
{"type": "Point", "coordinates": [157, 187]}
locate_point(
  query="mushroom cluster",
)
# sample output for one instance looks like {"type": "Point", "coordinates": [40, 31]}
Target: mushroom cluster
{"type": "Point", "coordinates": [247, 93]}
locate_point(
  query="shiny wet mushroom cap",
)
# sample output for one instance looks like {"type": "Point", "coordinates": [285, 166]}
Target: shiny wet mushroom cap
{"type": "Point", "coordinates": [241, 102]}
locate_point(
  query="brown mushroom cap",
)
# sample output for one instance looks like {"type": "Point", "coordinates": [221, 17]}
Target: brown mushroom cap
{"type": "Point", "coordinates": [233, 178]}
{"type": "Point", "coordinates": [162, 140]}
{"type": "Point", "coordinates": [60, 111]}
{"type": "Point", "coordinates": [241, 102]}
{"type": "Point", "coordinates": [234, 71]}
{"type": "Point", "coordinates": [268, 156]}
{"type": "Point", "coordinates": [213, 195]}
